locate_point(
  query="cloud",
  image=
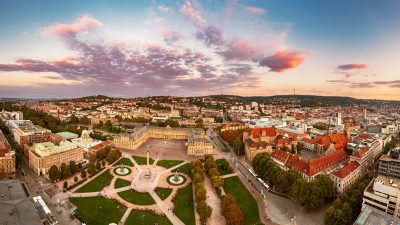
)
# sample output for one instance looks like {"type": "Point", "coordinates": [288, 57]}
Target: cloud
{"type": "Point", "coordinates": [283, 60]}
{"type": "Point", "coordinates": [211, 36]}
{"type": "Point", "coordinates": [388, 82]}
{"type": "Point", "coordinates": [351, 66]}
{"type": "Point", "coordinates": [361, 85]}
{"type": "Point", "coordinates": [190, 9]}
{"type": "Point", "coordinates": [81, 24]}
{"type": "Point", "coordinates": [239, 49]}
{"type": "Point", "coordinates": [171, 37]}
{"type": "Point", "coordinates": [338, 81]}
{"type": "Point", "coordinates": [165, 9]}
{"type": "Point", "coordinates": [254, 10]}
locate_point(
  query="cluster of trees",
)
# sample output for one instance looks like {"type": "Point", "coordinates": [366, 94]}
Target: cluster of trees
{"type": "Point", "coordinates": [168, 122]}
{"type": "Point", "coordinates": [347, 207]}
{"type": "Point", "coordinates": [202, 208]}
{"type": "Point", "coordinates": [310, 194]}
{"type": "Point", "coordinates": [96, 162]}
{"type": "Point", "coordinates": [133, 120]}
{"type": "Point", "coordinates": [231, 211]}
{"type": "Point", "coordinates": [238, 146]}
{"type": "Point", "coordinates": [112, 129]}
{"type": "Point", "coordinates": [64, 171]}
{"type": "Point", "coordinates": [321, 126]}
{"type": "Point", "coordinates": [234, 135]}
{"type": "Point", "coordinates": [390, 145]}
{"type": "Point", "coordinates": [212, 171]}
{"type": "Point", "coordinates": [200, 124]}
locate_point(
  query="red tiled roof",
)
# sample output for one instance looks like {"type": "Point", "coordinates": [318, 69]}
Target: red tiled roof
{"type": "Point", "coordinates": [283, 141]}
{"type": "Point", "coordinates": [339, 140]}
{"type": "Point", "coordinates": [257, 144]}
{"type": "Point", "coordinates": [299, 117]}
{"type": "Point", "coordinates": [101, 145]}
{"type": "Point", "coordinates": [3, 149]}
{"type": "Point", "coordinates": [280, 155]}
{"type": "Point", "coordinates": [309, 140]}
{"type": "Point", "coordinates": [346, 169]}
{"type": "Point", "coordinates": [359, 154]}
{"type": "Point", "coordinates": [364, 136]}
{"type": "Point", "coordinates": [269, 131]}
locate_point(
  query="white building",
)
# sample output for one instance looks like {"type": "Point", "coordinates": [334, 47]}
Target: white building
{"type": "Point", "coordinates": [345, 176]}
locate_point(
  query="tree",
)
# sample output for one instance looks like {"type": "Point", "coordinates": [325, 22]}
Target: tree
{"type": "Point", "coordinates": [108, 123]}
{"type": "Point", "coordinates": [198, 177]}
{"type": "Point", "coordinates": [347, 213]}
{"type": "Point", "coordinates": [204, 211]}
{"type": "Point", "coordinates": [75, 179]}
{"type": "Point", "coordinates": [217, 181]}
{"type": "Point", "coordinates": [64, 171]}
{"type": "Point", "coordinates": [334, 217]}
{"type": "Point", "coordinates": [314, 197]}
{"type": "Point", "coordinates": [201, 194]}
{"type": "Point", "coordinates": [213, 172]}
{"type": "Point", "coordinates": [98, 166]}
{"type": "Point", "coordinates": [230, 210]}
{"type": "Point", "coordinates": [54, 173]}
{"type": "Point", "coordinates": [238, 146]}
{"type": "Point", "coordinates": [65, 184]}
{"type": "Point", "coordinates": [83, 174]}
{"type": "Point", "coordinates": [73, 167]}
{"type": "Point", "coordinates": [326, 185]}
{"type": "Point", "coordinates": [91, 169]}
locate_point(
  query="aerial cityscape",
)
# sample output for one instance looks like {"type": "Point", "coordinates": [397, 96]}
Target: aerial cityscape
{"type": "Point", "coordinates": [195, 112]}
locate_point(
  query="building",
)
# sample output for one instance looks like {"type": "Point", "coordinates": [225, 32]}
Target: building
{"type": "Point", "coordinates": [370, 215]}
{"type": "Point", "coordinates": [197, 143]}
{"type": "Point", "coordinates": [25, 133]}
{"type": "Point", "coordinates": [16, 207]}
{"type": "Point", "coordinates": [309, 169]}
{"type": "Point", "coordinates": [7, 159]}
{"type": "Point", "coordinates": [389, 165]}
{"type": "Point", "coordinates": [383, 194]}
{"type": "Point", "coordinates": [86, 142]}
{"type": "Point", "coordinates": [258, 140]}
{"type": "Point", "coordinates": [345, 176]}
{"type": "Point", "coordinates": [364, 156]}
{"type": "Point", "coordinates": [44, 155]}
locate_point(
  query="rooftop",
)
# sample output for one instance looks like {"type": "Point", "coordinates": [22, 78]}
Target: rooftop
{"type": "Point", "coordinates": [346, 169]}
{"type": "Point", "coordinates": [371, 216]}
{"type": "Point", "coordinates": [48, 148]}
{"type": "Point", "coordinates": [67, 135]}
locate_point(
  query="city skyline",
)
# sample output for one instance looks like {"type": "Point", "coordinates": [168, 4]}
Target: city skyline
{"type": "Point", "coordinates": [196, 48]}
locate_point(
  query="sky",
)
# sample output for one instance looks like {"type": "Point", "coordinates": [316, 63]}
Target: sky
{"type": "Point", "coordinates": [124, 48]}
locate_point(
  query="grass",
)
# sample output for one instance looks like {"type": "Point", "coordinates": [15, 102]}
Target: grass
{"type": "Point", "coordinates": [125, 162]}
{"type": "Point", "coordinates": [142, 160]}
{"type": "Point", "coordinates": [168, 163]}
{"type": "Point", "coordinates": [244, 199]}
{"type": "Point", "coordinates": [98, 210]}
{"type": "Point", "coordinates": [223, 171]}
{"type": "Point", "coordinates": [137, 198]}
{"type": "Point", "coordinates": [97, 183]}
{"type": "Point", "coordinates": [119, 183]}
{"type": "Point", "coordinates": [184, 208]}
{"type": "Point", "coordinates": [163, 193]}
{"type": "Point", "coordinates": [138, 217]}
{"type": "Point", "coordinates": [186, 168]}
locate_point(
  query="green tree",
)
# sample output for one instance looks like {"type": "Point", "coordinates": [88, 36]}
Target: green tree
{"type": "Point", "coordinates": [54, 173]}
{"type": "Point", "coordinates": [73, 167]}
{"type": "Point", "coordinates": [108, 123]}
{"type": "Point", "coordinates": [217, 181]}
{"type": "Point", "coordinates": [201, 194]}
{"type": "Point", "coordinates": [347, 213]}
{"type": "Point", "coordinates": [213, 172]}
{"type": "Point", "coordinates": [83, 174]}
{"type": "Point", "coordinates": [64, 171]}
{"type": "Point", "coordinates": [325, 185]}
{"type": "Point", "coordinates": [204, 211]}
{"type": "Point", "coordinates": [65, 184]}
{"type": "Point", "coordinates": [91, 169]}
{"type": "Point", "coordinates": [334, 217]}
{"type": "Point", "coordinates": [314, 197]}
{"type": "Point", "coordinates": [75, 179]}
{"type": "Point", "coordinates": [238, 146]}
{"type": "Point", "coordinates": [98, 166]}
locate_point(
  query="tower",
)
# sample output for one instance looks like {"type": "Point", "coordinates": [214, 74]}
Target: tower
{"type": "Point", "coordinates": [348, 131]}
{"type": "Point", "coordinates": [339, 119]}
{"type": "Point", "coordinates": [365, 113]}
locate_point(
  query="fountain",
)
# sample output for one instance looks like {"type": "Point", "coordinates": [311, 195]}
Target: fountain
{"type": "Point", "coordinates": [122, 170]}
{"type": "Point", "coordinates": [176, 179]}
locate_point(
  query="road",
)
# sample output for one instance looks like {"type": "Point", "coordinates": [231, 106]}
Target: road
{"type": "Point", "coordinates": [279, 210]}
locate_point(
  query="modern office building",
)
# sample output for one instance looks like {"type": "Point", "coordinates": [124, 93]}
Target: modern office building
{"type": "Point", "coordinates": [389, 165]}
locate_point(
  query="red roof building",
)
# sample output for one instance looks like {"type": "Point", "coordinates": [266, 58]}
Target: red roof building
{"type": "Point", "coordinates": [345, 177]}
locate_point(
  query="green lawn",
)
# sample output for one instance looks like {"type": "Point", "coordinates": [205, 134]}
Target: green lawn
{"type": "Point", "coordinates": [244, 199]}
{"type": "Point", "coordinates": [124, 161]}
{"type": "Point", "coordinates": [168, 163]}
{"type": "Point", "coordinates": [142, 160]}
{"type": "Point", "coordinates": [137, 198]}
{"type": "Point", "coordinates": [98, 210]}
{"type": "Point", "coordinates": [163, 193]}
{"type": "Point", "coordinates": [119, 183]}
{"type": "Point", "coordinates": [222, 170]}
{"type": "Point", "coordinates": [97, 183]}
{"type": "Point", "coordinates": [183, 202]}
{"type": "Point", "coordinates": [186, 168]}
{"type": "Point", "coordinates": [138, 217]}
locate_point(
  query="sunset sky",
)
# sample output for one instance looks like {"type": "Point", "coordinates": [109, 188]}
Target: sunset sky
{"type": "Point", "coordinates": [190, 48]}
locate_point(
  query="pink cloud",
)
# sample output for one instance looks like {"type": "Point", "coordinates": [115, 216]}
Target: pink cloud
{"type": "Point", "coordinates": [81, 24]}
{"type": "Point", "coordinates": [192, 12]}
{"type": "Point", "coordinates": [254, 10]}
{"type": "Point", "coordinates": [283, 60]}
{"type": "Point", "coordinates": [352, 66]}
{"type": "Point", "coordinates": [239, 49]}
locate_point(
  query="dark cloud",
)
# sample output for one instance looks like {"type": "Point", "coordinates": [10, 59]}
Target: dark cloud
{"type": "Point", "coordinates": [212, 36]}
{"type": "Point", "coordinates": [351, 66]}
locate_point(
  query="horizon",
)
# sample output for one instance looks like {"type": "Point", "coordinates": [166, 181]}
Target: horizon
{"type": "Point", "coordinates": [199, 48]}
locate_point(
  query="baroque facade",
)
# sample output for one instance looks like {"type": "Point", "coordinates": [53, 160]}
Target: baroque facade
{"type": "Point", "coordinates": [197, 143]}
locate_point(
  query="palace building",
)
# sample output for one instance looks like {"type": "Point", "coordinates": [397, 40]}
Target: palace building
{"type": "Point", "coordinates": [197, 143]}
